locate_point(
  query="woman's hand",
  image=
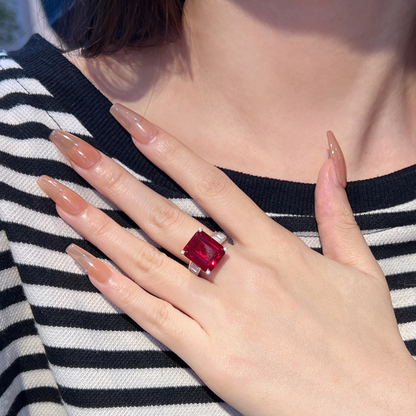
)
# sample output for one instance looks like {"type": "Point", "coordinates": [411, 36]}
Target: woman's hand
{"type": "Point", "coordinates": [276, 328]}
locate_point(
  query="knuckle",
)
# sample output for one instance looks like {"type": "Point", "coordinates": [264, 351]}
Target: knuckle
{"type": "Point", "coordinates": [214, 185]}
{"type": "Point", "coordinates": [346, 220]}
{"type": "Point", "coordinates": [102, 227]}
{"type": "Point", "coordinates": [125, 296]}
{"type": "Point", "coordinates": [114, 180]}
{"type": "Point", "coordinates": [262, 276]}
{"type": "Point", "coordinates": [159, 315]}
{"type": "Point", "coordinates": [149, 259]}
{"type": "Point", "coordinates": [167, 148]}
{"type": "Point", "coordinates": [165, 215]}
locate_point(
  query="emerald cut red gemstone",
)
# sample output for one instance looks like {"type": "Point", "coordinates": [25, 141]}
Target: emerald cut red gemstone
{"type": "Point", "coordinates": [204, 251]}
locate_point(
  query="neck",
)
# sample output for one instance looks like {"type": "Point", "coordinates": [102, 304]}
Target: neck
{"type": "Point", "coordinates": [269, 78]}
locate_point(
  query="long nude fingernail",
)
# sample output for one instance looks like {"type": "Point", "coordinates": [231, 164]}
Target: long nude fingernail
{"type": "Point", "coordinates": [337, 156]}
{"type": "Point", "coordinates": [75, 149]}
{"type": "Point", "coordinates": [66, 199]}
{"type": "Point", "coordinates": [140, 128]}
{"type": "Point", "coordinates": [94, 267]}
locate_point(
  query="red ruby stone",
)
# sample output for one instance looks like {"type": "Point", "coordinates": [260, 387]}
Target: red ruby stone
{"type": "Point", "coordinates": [204, 251]}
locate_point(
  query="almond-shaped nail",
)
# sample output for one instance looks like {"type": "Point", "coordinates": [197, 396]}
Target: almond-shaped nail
{"type": "Point", "coordinates": [94, 267]}
{"type": "Point", "coordinates": [75, 149]}
{"type": "Point", "coordinates": [338, 158]}
{"type": "Point", "coordinates": [141, 129]}
{"type": "Point", "coordinates": [66, 199]}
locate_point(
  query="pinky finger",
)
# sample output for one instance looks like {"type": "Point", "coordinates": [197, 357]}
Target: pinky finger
{"type": "Point", "coordinates": [159, 318]}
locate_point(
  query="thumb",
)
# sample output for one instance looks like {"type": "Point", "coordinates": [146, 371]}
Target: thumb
{"type": "Point", "coordinates": [341, 238]}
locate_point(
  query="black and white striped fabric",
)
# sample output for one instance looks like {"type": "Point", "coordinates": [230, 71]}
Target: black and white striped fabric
{"type": "Point", "coordinates": [64, 349]}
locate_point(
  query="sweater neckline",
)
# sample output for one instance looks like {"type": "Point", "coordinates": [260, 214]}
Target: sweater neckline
{"type": "Point", "coordinates": [77, 95]}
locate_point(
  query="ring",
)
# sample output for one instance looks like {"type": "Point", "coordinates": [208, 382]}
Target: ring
{"type": "Point", "coordinates": [204, 251]}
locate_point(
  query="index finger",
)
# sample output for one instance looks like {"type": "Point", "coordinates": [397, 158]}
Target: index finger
{"type": "Point", "coordinates": [211, 188]}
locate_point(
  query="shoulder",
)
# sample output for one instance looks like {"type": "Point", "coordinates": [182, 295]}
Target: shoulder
{"type": "Point", "coordinates": [31, 104]}
{"type": "Point", "coordinates": [41, 90]}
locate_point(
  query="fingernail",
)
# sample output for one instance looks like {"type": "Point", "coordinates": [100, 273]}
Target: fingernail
{"type": "Point", "coordinates": [75, 149]}
{"type": "Point", "coordinates": [94, 267]}
{"type": "Point", "coordinates": [141, 129]}
{"type": "Point", "coordinates": [337, 157]}
{"type": "Point", "coordinates": [66, 199]}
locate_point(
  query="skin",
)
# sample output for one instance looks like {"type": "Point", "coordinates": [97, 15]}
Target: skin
{"type": "Point", "coordinates": [322, 327]}
{"type": "Point", "coordinates": [289, 71]}
{"type": "Point", "coordinates": [276, 328]}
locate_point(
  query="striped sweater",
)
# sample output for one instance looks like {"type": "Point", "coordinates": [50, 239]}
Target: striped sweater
{"type": "Point", "coordinates": [66, 350]}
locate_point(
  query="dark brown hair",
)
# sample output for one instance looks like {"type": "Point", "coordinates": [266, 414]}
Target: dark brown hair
{"type": "Point", "coordinates": [103, 27]}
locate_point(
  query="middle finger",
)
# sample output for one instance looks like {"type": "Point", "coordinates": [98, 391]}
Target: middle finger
{"type": "Point", "coordinates": [158, 217]}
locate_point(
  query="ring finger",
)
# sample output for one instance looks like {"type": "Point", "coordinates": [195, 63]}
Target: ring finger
{"type": "Point", "coordinates": [143, 263]}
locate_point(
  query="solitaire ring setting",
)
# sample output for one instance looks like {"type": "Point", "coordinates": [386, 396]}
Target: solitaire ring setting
{"type": "Point", "coordinates": [204, 251]}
